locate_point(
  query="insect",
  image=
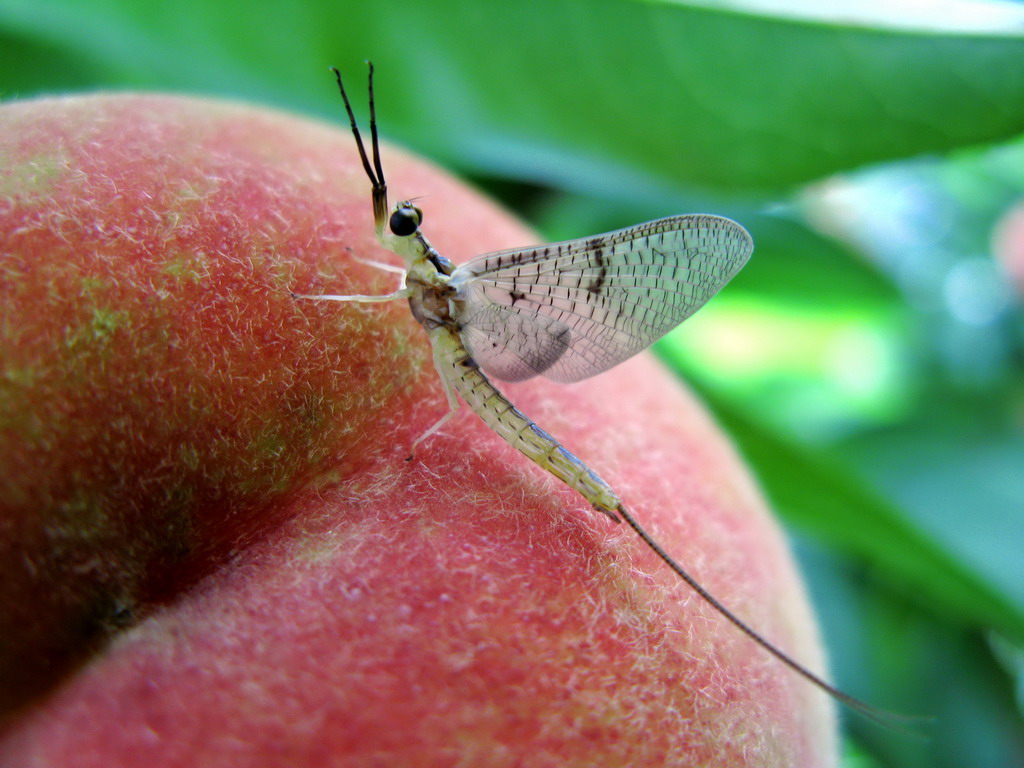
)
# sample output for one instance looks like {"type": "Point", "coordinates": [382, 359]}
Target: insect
{"type": "Point", "coordinates": [566, 311]}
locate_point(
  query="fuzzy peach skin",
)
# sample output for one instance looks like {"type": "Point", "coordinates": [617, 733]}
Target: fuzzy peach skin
{"type": "Point", "coordinates": [213, 551]}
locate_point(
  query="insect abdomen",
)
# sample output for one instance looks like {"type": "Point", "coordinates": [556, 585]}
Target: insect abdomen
{"type": "Point", "coordinates": [457, 366]}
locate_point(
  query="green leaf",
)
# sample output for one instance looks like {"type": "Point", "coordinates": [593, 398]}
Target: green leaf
{"type": "Point", "coordinates": [615, 95]}
{"type": "Point", "coordinates": [821, 499]}
{"type": "Point", "coordinates": [795, 265]}
{"type": "Point", "coordinates": [791, 263]}
{"type": "Point", "coordinates": [954, 467]}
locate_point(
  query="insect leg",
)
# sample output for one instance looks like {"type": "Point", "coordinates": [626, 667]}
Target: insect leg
{"type": "Point", "coordinates": [400, 271]}
{"type": "Point", "coordinates": [381, 266]}
{"type": "Point", "coordinates": [401, 293]}
{"type": "Point", "coordinates": [453, 406]}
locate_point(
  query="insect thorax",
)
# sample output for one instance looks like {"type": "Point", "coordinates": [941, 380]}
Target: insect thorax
{"type": "Point", "coordinates": [429, 301]}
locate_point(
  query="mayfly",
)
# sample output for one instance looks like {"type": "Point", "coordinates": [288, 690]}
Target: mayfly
{"type": "Point", "coordinates": [565, 310]}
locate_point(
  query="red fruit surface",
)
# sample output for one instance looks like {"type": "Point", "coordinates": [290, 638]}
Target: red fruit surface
{"type": "Point", "coordinates": [212, 550]}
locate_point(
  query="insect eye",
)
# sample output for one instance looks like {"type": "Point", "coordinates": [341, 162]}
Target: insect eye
{"type": "Point", "coordinates": [405, 221]}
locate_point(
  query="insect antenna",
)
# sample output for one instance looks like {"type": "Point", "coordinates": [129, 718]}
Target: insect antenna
{"type": "Point", "coordinates": [375, 171]}
{"type": "Point", "coordinates": [373, 131]}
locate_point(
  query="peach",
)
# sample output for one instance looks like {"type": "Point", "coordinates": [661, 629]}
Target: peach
{"type": "Point", "coordinates": [213, 550]}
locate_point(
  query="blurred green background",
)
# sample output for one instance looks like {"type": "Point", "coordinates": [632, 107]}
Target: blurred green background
{"type": "Point", "coordinates": [869, 361]}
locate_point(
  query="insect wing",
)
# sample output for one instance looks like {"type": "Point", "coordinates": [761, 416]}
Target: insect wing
{"type": "Point", "coordinates": [571, 310]}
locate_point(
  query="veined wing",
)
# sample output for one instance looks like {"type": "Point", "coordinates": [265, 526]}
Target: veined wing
{"type": "Point", "coordinates": [574, 309]}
